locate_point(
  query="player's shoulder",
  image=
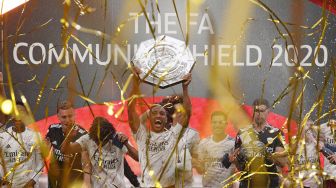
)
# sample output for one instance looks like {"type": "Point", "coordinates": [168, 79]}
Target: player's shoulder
{"type": "Point", "coordinates": [245, 129]}
{"type": "Point", "coordinates": [272, 129]}
{"type": "Point", "coordinates": [55, 126]}
{"type": "Point", "coordinates": [324, 125]}
{"type": "Point", "coordinates": [193, 133]}
{"type": "Point", "coordinates": [229, 138]}
{"type": "Point", "coordinates": [81, 130]}
{"type": "Point", "coordinates": [85, 137]}
{"type": "Point", "coordinates": [6, 132]}
{"type": "Point", "coordinates": [205, 140]}
{"type": "Point", "coordinates": [31, 131]}
{"type": "Point", "coordinates": [192, 130]}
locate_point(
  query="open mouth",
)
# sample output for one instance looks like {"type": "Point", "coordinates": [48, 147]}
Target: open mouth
{"type": "Point", "coordinates": [158, 122]}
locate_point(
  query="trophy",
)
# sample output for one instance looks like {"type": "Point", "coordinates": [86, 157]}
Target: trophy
{"type": "Point", "coordinates": [164, 61]}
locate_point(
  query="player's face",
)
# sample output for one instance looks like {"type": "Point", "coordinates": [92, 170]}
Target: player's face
{"type": "Point", "coordinates": [158, 118]}
{"type": "Point", "coordinates": [260, 114]}
{"type": "Point", "coordinates": [18, 119]}
{"type": "Point", "coordinates": [218, 124]}
{"type": "Point", "coordinates": [332, 124]}
{"type": "Point", "coordinates": [67, 118]}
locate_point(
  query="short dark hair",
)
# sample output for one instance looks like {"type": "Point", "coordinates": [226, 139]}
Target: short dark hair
{"type": "Point", "coordinates": [19, 103]}
{"type": "Point", "coordinates": [106, 129]}
{"type": "Point", "coordinates": [218, 113]}
{"type": "Point", "coordinates": [64, 105]}
{"type": "Point", "coordinates": [169, 102]}
{"type": "Point", "coordinates": [261, 101]}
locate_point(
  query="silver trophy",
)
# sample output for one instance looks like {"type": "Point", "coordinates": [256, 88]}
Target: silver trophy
{"type": "Point", "coordinates": [164, 61]}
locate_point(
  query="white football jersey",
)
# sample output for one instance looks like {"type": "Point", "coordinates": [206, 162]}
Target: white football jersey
{"type": "Point", "coordinates": [22, 156]}
{"type": "Point", "coordinates": [329, 138]}
{"type": "Point", "coordinates": [187, 148]}
{"type": "Point", "coordinates": [211, 154]}
{"type": "Point", "coordinates": [107, 164]}
{"type": "Point", "coordinates": [155, 155]}
{"type": "Point", "coordinates": [306, 156]}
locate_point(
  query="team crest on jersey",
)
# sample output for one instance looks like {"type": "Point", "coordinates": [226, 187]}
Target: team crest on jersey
{"type": "Point", "coordinates": [8, 146]}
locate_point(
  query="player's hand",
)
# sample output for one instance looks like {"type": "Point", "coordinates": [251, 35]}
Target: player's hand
{"type": "Point", "coordinates": [186, 80]}
{"type": "Point", "coordinates": [136, 71]}
{"type": "Point", "coordinates": [179, 116]}
{"type": "Point", "coordinates": [30, 184]}
{"type": "Point", "coordinates": [233, 155]}
{"type": "Point", "coordinates": [332, 159]}
{"type": "Point", "coordinates": [122, 138]}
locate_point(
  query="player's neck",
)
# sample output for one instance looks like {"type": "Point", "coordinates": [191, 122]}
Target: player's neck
{"type": "Point", "coordinates": [259, 127]}
{"type": "Point", "coordinates": [19, 128]}
{"type": "Point", "coordinates": [218, 137]}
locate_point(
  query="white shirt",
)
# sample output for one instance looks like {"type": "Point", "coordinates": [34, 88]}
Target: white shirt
{"type": "Point", "coordinates": [306, 155]}
{"type": "Point", "coordinates": [21, 148]}
{"type": "Point", "coordinates": [211, 153]}
{"type": "Point", "coordinates": [160, 147]}
{"type": "Point", "coordinates": [328, 137]}
{"type": "Point", "coordinates": [187, 148]}
{"type": "Point", "coordinates": [107, 166]}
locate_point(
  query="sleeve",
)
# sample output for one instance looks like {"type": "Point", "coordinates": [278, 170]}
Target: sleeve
{"type": "Point", "coordinates": [176, 129]}
{"type": "Point", "coordinates": [82, 141]}
{"type": "Point", "coordinates": [200, 150]}
{"type": "Point", "coordinates": [194, 144]}
{"type": "Point", "coordinates": [323, 133]}
{"type": "Point", "coordinates": [48, 135]}
{"type": "Point", "coordinates": [81, 132]}
{"type": "Point", "coordinates": [38, 159]}
{"type": "Point", "coordinates": [141, 133]}
{"type": "Point", "coordinates": [124, 149]}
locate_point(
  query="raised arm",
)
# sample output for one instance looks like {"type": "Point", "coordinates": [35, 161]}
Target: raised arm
{"type": "Point", "coordinates": [186, 99]}
{"type": "Point", "coordinates": [144, 117]}
{"type": "Point", "coordinates": [68, 147]}
{"type": "Point", "coordinates": [133, 117]}
{"type": "Point", "coordinates": [131, 151]}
